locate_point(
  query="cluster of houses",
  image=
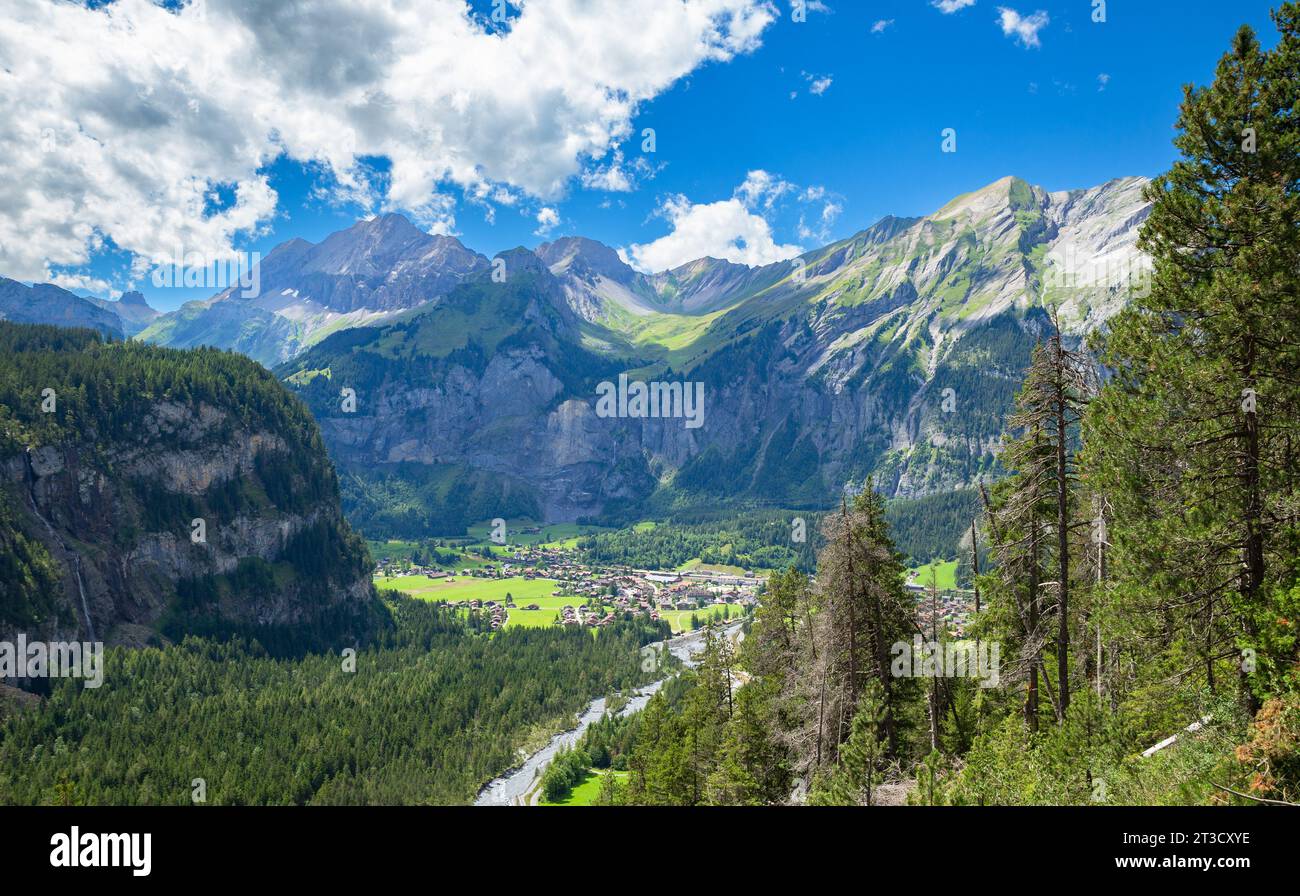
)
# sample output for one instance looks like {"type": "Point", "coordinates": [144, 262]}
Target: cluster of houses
{"type": "Point", "coordinates": [950, 611]}
{"type": "Point", "coordinates": [389, 567]}
{"type": "Point", "coordinates": [496, 611]}
{"type": "Point", "coordinates": [699, 590]}
{"type": "Point", "coordinates": [583, 616]}
{"type": "Point", "coordinates": [653, 593]}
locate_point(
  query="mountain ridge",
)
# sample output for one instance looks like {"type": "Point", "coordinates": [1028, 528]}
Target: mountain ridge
{"type": "Point", "coordinates": [830, 369]}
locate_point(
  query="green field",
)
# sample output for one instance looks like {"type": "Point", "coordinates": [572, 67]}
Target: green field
{"type": "Point", "coordinates": [696, 565]}
{"type": "Point", "coordinates": [555, 535]}
{"type": "Point", "coordinates": [550, 607]}
{"type": "Point", "coordinates": [585, 793]}
{"type": "Point", "coordinates": [396, 549]}
{"type": "Point", "coordinates": [524, 591]}
{"type": "Point", "coordinates": [680, 620]}
{"type": "Point", "coordinates": [944, 572]}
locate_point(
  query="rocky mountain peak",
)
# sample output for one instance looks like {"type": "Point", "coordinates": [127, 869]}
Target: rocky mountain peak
{"type": "Point", "coordinates": [1006, 194]}
{"type": "Point", "coordinates": [522, 261]}
{"type": "Point", "coordinates": [586, 258]}
{"type": "Point", "coordinates": [370, 246]}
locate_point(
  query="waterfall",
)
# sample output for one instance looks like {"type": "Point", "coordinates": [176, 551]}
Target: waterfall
{"type": "Point", "coordinates": [76, 558]}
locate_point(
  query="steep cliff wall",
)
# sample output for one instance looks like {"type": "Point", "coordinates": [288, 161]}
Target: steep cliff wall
{"type": "Point", "coordinates": [148, 492]}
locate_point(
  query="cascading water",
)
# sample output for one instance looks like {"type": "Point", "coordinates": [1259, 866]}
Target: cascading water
{"type": "Point", "coordinates": [76, 559]}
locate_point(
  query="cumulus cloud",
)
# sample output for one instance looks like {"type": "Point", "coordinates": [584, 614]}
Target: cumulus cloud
{"type": "Point", "coordinates": [1023, 28]}
{"type": "Point", "coordinates": [619, 175]}
{"type": "Point", "coordinates": [141, 129]}
{"type": "Point", "coordinates": [547, 220]}
{"type": "Point", "coordinates": [948, 7]}
{"type": "Point", "coordinates": [881, 25]}
{"type": "Point", "coordinates": [1102, 80]}
{"type": "Point", "coordinates": [738, 229]}
{"type": "Point", "coordinates": [726, 230]}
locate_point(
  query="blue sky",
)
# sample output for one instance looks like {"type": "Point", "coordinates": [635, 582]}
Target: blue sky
{"type": "Point", "coordinates": [1087, 103]}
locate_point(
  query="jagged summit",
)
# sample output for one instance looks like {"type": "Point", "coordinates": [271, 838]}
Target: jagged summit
{"type": "Point", "coordinates": [988, 250]}
{"type": "Point", "coordinates": [583, 257]}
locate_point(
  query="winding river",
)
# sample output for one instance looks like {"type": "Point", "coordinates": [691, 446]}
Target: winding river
{"type": "Point", "coordinates": [512, 788]}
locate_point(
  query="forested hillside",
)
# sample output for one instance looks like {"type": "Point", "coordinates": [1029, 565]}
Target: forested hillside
{"type": "Point", "coordinates": [425, 715]}
{"type": "Point", "coordinates": [149, 491]}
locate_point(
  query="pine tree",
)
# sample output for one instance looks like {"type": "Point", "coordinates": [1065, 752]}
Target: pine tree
{"type": "Point", "coordinates": [863, 611]}
{"type": "Point", "coordinates": [1197, 436]}
{"type": "Point", "coordinates": [1035, 520]}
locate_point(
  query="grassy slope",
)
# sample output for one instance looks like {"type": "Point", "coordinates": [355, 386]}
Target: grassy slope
{"type": "Point", "coordinates": [585, 793]}
{"type": "Point", "coordinates": [944, 572]}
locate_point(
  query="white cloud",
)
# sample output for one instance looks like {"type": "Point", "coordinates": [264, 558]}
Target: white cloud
{"type": "Point", "coordinates": [738, 229]}
{"type": "Point", "coordinates": [762, 188]}
{"type": "Point", "coordinates": [1102, 80]}
{"type": "Point", "coordinates": [725, 229]}
{"type": "Point", "coordinates": [612, 178]}
{"type": "Point", "coordinates": [820, 230]}
{"type": "Point", "coordinates": [1023, 28]}
{"type": "Point", "coordinates": [82, 281]}
{"type": "Point", "coordinates": [817, 84]}
{"type": "Point", "coordinates": [948, 7]}
{"type": "Point", "coordinates": [619, 176]}
{"type": "Point", "coordinates": [547, 220]}
{"type": "Point", "coordinates": [881, 25]}
{"type": "Point", "coordinates": [117, 124]}
{"type": "Point", "coordinates": [731, 229]}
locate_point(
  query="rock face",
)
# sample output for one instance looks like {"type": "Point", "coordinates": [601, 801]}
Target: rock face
{"type": "Point", "coordinates": [893, 354]}
{"type": "Point", "coordinates": [45, 303]}
{"type": "Point", "coordinates": [188, 493]}
{"type": "Point", "coordinates": [132, 311]}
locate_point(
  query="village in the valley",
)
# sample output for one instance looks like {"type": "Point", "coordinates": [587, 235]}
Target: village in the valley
{"type": "Point", "coordinates": [947, 610]}
{"type": "Point", "coordinates": [549, 583]}
{"type": "Point", "coordinates": [579, 593]}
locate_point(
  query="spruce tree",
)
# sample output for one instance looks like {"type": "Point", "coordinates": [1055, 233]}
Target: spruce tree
{"type": "Point", "coordinates": [1196, 438]}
